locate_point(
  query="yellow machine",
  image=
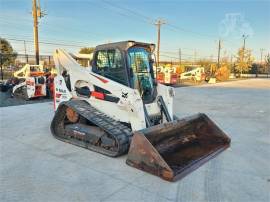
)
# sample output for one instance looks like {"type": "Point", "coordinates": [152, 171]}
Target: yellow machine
{"type": "Point", "coordinates": [194, 73]}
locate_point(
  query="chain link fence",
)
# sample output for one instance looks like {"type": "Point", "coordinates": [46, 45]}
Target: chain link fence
{"type": "Point", "coordinates": [11, 63]}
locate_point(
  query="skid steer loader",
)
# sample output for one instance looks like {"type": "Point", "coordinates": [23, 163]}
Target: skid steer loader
{"type": "Point", "coordinates": [29, 82]}
{"type": "Point", "coordinates": [118, 107]}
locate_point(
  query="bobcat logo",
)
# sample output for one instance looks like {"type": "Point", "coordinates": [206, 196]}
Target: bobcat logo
{"type": "Point", "coordinates": [124, 95]}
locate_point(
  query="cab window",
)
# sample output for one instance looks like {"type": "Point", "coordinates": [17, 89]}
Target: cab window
{"type": "Point", "coordinates": [110, 63]}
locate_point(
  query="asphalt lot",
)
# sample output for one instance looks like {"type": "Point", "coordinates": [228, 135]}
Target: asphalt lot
{"type": "Point", "coordinates": [6, 100]}
{"type": "Point", "coordinates": [34, 166]}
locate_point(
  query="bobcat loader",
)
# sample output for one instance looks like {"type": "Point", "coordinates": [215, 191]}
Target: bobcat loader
{"type": "Point", "coordinates": [118, 107]}
{"type": "Point", "coordinates": [196, 74]}
{"type": "Point", "coordinates": [167, 75]}
{"type": "Point", "coordinates": [31, 82]}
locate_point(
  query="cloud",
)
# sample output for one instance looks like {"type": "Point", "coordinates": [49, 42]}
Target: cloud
{"type": "Point", "coordinates": [234, 25]}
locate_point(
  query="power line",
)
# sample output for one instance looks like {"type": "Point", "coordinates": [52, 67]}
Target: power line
{"type": "Point", "coordinates": [48, 43]}
{"type": "Point", "coordinates": [55, 29]}
{"type": "Point", "coordinates": [190, 55]}
{"type": "Point", "coordinates": [175, 53]}
{"type": "Point", "coordinates": [144, 18]}
{"type": "Point", "coordinates": [8, 21]}
{"type": "Point", "coordinates": [169, 56]}
{"type": "Point", "coordinates": [120, 11]}
{"type": "Point", "coordinates": [147, 19]}
{"type": "Point", "coordinates": [76, 43]}
{"type": "Point", "coordinates": [191, 59]}
{"type": "Point", "coordinates": [127, 12]}
{"type": "Point", "coordinates": [189, 31]}
{"type": "Point", "coordinates": [177, 58]}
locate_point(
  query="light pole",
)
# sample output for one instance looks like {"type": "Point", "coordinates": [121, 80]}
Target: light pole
{"type": "Point", "coordinates": [1, 61]}
{"type": "Point", "coordinates": [244, 38]}
{"type": "Point", "coordinates": [219, 48]}
{"type": "Point", "coordinates": [244, 47]}
{"type": "Point", "coordinates": [261, 50]}
{"type": "Point", "coordinates": [180, 57]}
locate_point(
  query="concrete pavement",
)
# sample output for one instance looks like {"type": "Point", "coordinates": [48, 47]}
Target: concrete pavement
{"type": "Point", "coordinates": [34, 166]}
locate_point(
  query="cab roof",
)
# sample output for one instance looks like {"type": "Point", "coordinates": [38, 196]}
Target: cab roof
{"type": "Point", "coordinates": [125, 45]}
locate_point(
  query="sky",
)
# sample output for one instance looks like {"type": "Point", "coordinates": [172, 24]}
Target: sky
{"type": "Point", "coordinates": [194, 26]}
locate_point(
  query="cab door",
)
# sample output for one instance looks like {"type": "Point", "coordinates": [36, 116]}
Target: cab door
{"type": "Point", "coordinates": [110, 64]}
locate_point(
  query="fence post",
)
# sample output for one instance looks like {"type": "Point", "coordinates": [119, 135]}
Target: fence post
{"type": "Point", "coordinates": [49, 61]}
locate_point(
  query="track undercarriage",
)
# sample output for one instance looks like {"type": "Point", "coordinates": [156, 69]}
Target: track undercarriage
{"type": "Point", "coordinates": [78, 123]}
{"type": "Point", "coordinates": [21, 93]}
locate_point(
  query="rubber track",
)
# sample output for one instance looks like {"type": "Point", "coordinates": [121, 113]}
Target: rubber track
{"type": "Point", "coordinates": [22, 95]}
{"type": "Point", "coordinates": [121, 133]}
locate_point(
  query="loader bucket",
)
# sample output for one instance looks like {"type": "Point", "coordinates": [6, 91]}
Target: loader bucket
{"type": "Point", "coordinates": [172, 150]}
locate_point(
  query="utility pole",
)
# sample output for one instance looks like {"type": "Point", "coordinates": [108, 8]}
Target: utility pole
{"type": "Point", "coordinates": [267, 66]}
{"type": "Point", "coordinates": [180, 57]}
{"type": "Point", "coordinates": [262, 57]}
{"type": "Point", "coordinates": [24, 45]}
{"type": "Point", "coordinates": [244, 38]}
{"type": "Point", "coordinates": [244, 49]}
{"type": "Point", "coordinates": [219, 48]}
{"type": "Point", "coordinates": [1, 62]}
{"type": "Point", "coordinates": [261, 54]}
{"type": "Point", "coordinates": [158, 23]}
{"type": "Point", "coordinates": [36, 11]}
{"type": "Point", "coordinates": [211, 58]}
{"type": "Point", "coordinates": [195, 55]}
{"type": "Point", "coordinates": [25, 55]}
{"type": "Point", "coordinates": [232, 63]}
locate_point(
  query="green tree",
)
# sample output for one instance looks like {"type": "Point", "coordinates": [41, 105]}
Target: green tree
{"type": "Point", "coordinates": [8, 55]}
{"type": "Point", "coordinates": [87, 50]}
{"type": "Point", "coordinates": [244, 60]}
